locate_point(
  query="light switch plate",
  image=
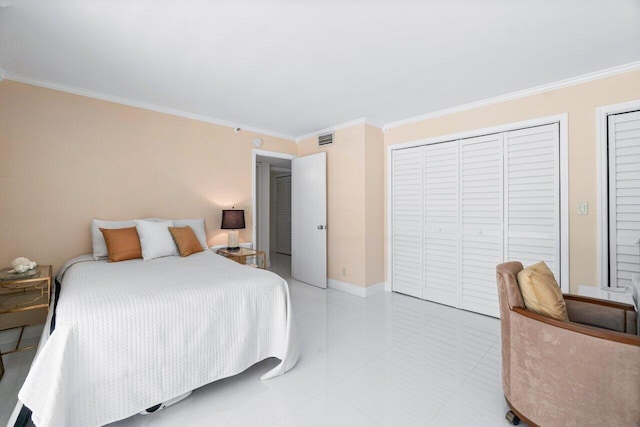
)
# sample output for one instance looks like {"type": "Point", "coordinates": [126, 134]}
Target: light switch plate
{"type": "Point", "coordinates": [583, 208]}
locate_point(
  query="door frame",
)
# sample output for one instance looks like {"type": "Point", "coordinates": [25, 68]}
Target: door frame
{"type": "Point", "coordinates": [602, 155]}
{"type": "Point", "coordinates": [563, 122]}
{"type": "Point", "coordinates": [254, 154]}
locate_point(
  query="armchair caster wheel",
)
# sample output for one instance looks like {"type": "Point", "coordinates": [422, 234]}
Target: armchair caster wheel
{"type": "Point", "coordinates": [512, 418]}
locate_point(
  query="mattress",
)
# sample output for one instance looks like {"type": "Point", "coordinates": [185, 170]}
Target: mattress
{"type": "Point", "coordinates": [132, 334]}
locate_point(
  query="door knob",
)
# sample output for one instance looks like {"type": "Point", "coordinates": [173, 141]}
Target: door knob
{"type": "Point", "coordinates": [321, 227]}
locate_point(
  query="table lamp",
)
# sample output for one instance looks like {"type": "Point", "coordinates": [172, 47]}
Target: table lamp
{"type": "Point", "coordinates": [232, 220]}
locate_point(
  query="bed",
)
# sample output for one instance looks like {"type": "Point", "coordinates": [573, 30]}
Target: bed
{"type": "Point", "coordinates": [129, 335]}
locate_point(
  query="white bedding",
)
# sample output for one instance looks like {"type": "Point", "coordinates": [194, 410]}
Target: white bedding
{"type": "Point", "coordinates": [132, 334]}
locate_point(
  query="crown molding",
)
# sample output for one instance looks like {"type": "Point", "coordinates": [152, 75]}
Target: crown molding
{"type": "Point", "coordinates": [139, 104]}
{"type": "Point", "coordinates": [608, 72]}
{"type": "Point", "coordinates": [363, 120]}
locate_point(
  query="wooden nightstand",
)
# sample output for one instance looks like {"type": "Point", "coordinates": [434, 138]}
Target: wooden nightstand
{"type": "Point", "coordinates": [24, 302]}
{"type": "Point", "coordinates": [242, 254]}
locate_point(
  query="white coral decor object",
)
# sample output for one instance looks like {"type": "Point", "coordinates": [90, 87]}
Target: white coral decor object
{"type": "Point", "coordinates": [22, 264]}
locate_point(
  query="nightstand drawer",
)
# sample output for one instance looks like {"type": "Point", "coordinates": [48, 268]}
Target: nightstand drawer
{"type": "Point", "coordinates": [21, 318]}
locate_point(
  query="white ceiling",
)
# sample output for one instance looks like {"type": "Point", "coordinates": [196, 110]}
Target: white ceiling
{"type": "Point", "coordinates": [295, 67]}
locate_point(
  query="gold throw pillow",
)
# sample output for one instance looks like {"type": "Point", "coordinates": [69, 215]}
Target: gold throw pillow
{"type": "Point", "coordinates": [541, 293]}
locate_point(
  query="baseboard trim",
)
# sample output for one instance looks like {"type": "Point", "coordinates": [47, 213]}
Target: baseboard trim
{"type": "Point", "coordinates": [356, 290]}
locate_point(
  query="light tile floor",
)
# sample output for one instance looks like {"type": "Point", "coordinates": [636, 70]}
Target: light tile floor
{"type": "Point", "coordinates": [387, 360]}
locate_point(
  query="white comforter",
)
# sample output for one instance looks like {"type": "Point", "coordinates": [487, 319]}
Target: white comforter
{"type": "Point", "coordinates": [132, 334]}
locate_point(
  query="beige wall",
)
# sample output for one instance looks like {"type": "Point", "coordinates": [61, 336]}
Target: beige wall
{"type": "Point", "coordinates": [355, 245]}
{"type": "Point", "coordinates": [580, 102]}
{"type": "Point", "coordinates": [374, 205]}
{"type": "Point", "coordinates": [65, 159]}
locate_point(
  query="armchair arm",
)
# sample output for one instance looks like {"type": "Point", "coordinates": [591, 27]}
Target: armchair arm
{"type": "Point", "coordinates": [606, 314]}
{"type": "Point", "coordinates": [592, 331]}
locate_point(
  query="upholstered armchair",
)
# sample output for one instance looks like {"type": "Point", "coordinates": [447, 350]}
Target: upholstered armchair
{"type": "Point", "coordinates": [584, 372]}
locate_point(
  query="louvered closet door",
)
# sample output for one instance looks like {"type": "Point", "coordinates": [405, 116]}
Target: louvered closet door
{"type": "Point", "coordinates": [283, 214]}
{"type": "Point", "coordinates": [481, 186]}
{"type": "Point", "coordinates": [441, 218]}
{"type": "Point", "coordinates": [624, 197]}
{"type": "Point", "coordinates": [532, 196]}
{"type": "Point", "coordinates": [407, 169]}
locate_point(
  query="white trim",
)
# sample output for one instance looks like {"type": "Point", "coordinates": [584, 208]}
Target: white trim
{"type": "Point", "coordinates": [564, 202]}
{"type": "Point", "coordinates": [360, 291]}
{"type": "Point", "coordinates": [539, 121]}
{"type": "Point", "coordinates": [140, 104]}
{"type": "Point", "coordinates": [602, 114]}
{"type": "Point", "coordinates": [262, 220]}
{"type": "Point", "coordinates": [608, 72]}
{"type": "Point", "coordinates": [562, 119]}
{"type": "Point", "coordinates": [389, 260]}
{"type": "Point", "coordinates": [254, 153]}
{"type": "Point", "coordinates": [360, 121]}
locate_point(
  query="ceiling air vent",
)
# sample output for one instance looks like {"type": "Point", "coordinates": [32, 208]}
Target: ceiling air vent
{"type": "Point", "coordinates": [325, 139]}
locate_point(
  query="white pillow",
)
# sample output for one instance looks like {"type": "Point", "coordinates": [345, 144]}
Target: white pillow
{"type": "Point", "coordinates": [196, 224]}
{"type": "Point", "coordinates": [155, 239]}
{"type": "Point", "coordinates": [97, 239]}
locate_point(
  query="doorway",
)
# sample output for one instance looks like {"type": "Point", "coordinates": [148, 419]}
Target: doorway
{"type": "Point", "coordinates": [307, 261]}
{"type": "Point", "coordinates": [272, 209]}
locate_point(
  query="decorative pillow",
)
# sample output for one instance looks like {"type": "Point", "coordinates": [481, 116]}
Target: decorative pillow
{"type": "Point", "coordinates": [122, 243]}
{"type": "Point", "coordinates": [155, 239]}
{"type": "Point", "coordinates": [541, 293]}
{"type": "Point", "coordinates": [196, 224]}
{"type": "Point", "coordinates": [97, 239]}
{"type": "Point", "coordinates": [186, 240]}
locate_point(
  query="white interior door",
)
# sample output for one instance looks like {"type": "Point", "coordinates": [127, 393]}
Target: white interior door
{"type": "Point", "coordinates": [532, 196]}
{"type": "Point", "coordinates": [309, 219]}
{"type": "Point", "coordinates": [407, 187]}
{"type": "Point", "coordinates": [283, 214]}
{"type": "Point", "coordinates": [441, 224]}
{"type": "Point", "coordinates": [624, 198]}
{"type": "Point", "coordinates": [481, 188]}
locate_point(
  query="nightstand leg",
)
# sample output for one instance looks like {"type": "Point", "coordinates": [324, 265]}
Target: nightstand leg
{"type": "Point", "coordinates": [1, 367]}
{"type": "Point", "coordinates": [19, 339]}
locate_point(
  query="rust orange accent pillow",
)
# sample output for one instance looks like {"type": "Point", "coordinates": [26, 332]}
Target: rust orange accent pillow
{"type": "Point", "coordinates": [186, 240]}
{"type": "Point", "coordinates": [122, 243]}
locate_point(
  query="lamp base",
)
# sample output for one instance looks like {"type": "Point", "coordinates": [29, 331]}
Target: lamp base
{"type": "Point", "coordinates": [233, 244]}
